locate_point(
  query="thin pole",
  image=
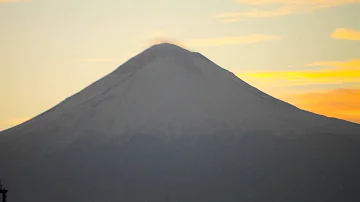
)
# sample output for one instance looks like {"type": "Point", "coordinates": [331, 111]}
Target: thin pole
{"type": "Point", "coordinates": [3, 192]}
{"type": "Point", "coordinates": [4, 195]}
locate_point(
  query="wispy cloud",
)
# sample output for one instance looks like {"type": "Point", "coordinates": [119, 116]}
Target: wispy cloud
{"type": "Point", "coordinates": [283, 7]}
{"type": "Point", "coordinates": [339, 103]}
{"type": "Point", "coordinates": [218, 41]}
{"type": "Point", "coordinates": [333, 73]}
{"type": "Point", "coordinates": [355, 64]}
{"type": "Point", "coordinates": [159, 40]}
{"type": "Point", "coordinates": [94, 60]}
{"type": "Point", "coordinates": [314, 3]}
{"type": "Point", "coordinates": [346, 34]}
{"type": "Point", "coordinates": [160, 36]}
{"type": "Point", "coordinates": [255, 13]}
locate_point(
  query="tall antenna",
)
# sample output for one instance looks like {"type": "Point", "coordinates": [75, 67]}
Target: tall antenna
{"type": "Point", "coordinates": [3, 192]}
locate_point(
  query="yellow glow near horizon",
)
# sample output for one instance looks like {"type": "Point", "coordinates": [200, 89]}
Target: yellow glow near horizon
{"type": "Point", "coordinates": [340, 103]}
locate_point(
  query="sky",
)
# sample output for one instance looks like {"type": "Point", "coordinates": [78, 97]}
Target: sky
{"type": "Point", "coordinates": [305, 52]}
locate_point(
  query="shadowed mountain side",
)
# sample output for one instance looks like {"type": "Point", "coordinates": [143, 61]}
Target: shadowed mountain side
{"type": "Point", "coordinates": [257, 167]}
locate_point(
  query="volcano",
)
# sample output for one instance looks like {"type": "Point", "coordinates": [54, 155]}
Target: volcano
{"type": "Point", "coordinates": [169, 125]}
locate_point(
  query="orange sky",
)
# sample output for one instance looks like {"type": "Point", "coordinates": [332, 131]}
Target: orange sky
{"type": "Point", "coordinates": [342, 103]}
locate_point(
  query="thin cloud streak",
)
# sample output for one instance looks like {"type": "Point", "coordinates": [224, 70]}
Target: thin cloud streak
{"type": "Point", "coordinates": [335, 73]}
{"type": "Point", "coordinates": [216, 41]}
{"type": "Point", "coordinates": [255, 13]}
{"type": "Point", "coordinates": [346, 34]}
{"type": "Point", "coordinates": [322, 3]}
{"type": "Point", "coordinates": [355, 64]}
{"type": "Point", "coordinates": [284, 7]}
{"type": "Point", "coordinates": [232, 40]}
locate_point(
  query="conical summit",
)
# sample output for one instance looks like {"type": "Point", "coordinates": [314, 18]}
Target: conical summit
{"type": "Point", "coordinates": [171, 125]}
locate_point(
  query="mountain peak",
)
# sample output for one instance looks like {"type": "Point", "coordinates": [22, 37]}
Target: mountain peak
{"type": "Point", "coordinates": [171, 125]}
{"type": "Point", "coordinates": [165, 47]}
{"type": "Point", "coordinates": [169, 91]}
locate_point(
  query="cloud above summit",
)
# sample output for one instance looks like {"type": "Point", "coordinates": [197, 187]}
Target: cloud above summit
{"type": "Point", "coordinates": [216, 41]}
{"type": "Point", "coordinates": [260, 8]}
{"type": "Point", "coordinates": [159, 40]}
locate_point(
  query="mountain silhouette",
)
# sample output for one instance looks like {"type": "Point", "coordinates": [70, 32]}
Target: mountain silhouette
{"type": "Point", "coordinates": [170, 125]}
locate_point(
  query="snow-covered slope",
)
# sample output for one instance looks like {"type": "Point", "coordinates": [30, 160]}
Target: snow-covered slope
{"type": "Point", "coordinates": [169, 91]}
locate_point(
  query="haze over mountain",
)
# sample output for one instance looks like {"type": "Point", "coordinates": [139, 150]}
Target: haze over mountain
{"type": "Point", "coordinates": [170, 125]}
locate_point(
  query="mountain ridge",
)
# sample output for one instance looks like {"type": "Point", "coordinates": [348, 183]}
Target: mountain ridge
{"type": "Point", "coordinates": [172, 126]}
{"type": "Point", "coordinates": [192, 67]}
